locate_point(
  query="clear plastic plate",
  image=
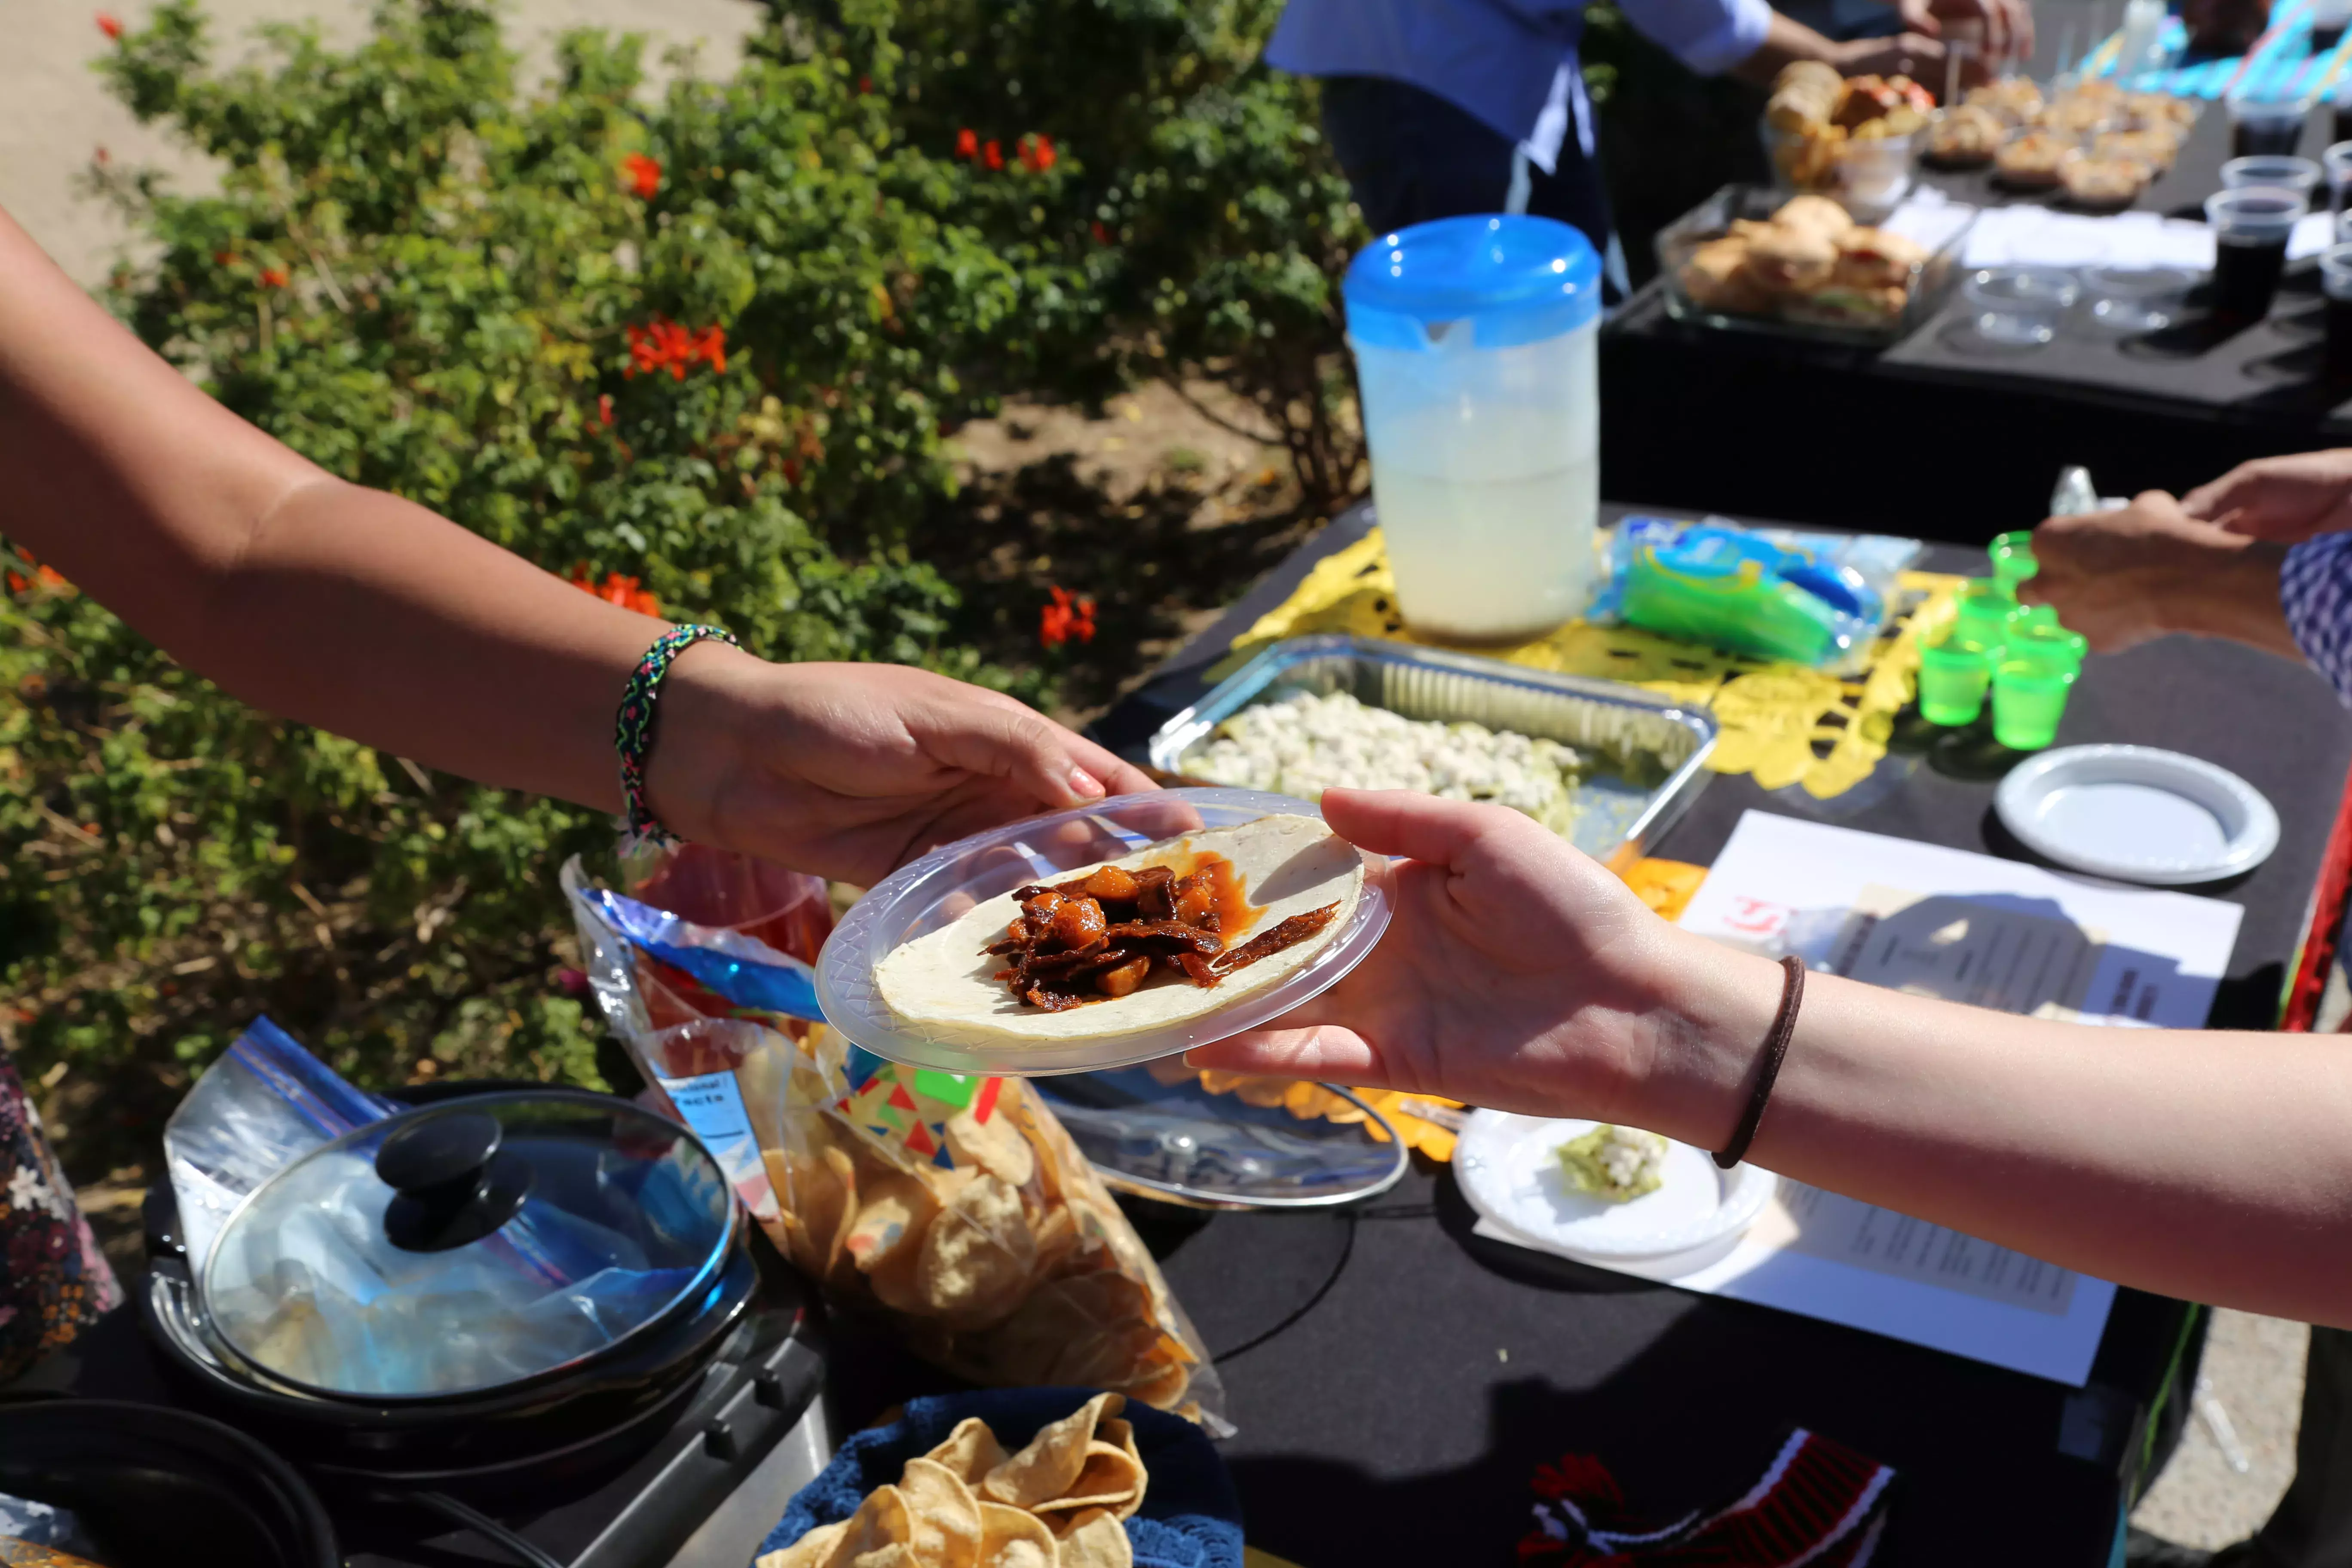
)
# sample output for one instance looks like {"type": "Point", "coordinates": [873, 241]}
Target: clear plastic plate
{"type": "Point", "coordinates": [931, 892]}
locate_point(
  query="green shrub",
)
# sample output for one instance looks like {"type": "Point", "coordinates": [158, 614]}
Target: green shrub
{"type": "Point", "coordinates": [702, 347]}
{"type": "Point", "coordinates": [428, 282]}
{"type": "Point", "coordinates": [1222, 220]}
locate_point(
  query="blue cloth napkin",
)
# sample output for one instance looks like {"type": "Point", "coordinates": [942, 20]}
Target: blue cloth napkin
{"type": "Point", "coordinates": [1191, 1516]}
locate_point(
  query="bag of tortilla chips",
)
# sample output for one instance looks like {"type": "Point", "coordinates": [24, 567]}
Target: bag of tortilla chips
{"type": "Point", "coordinates": [955, 1207]}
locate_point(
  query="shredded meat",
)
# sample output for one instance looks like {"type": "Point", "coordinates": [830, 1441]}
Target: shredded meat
{"type": "Point", "coordinates": [1176, 933]}
{"type": "Point", "coordinates": [1108, 933]}
{"type": "Point", "coordinates": [1266, 944]}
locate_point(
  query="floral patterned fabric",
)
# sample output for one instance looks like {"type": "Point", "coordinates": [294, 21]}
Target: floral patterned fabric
{"type": "Point", "coordinates": [54, 1281]}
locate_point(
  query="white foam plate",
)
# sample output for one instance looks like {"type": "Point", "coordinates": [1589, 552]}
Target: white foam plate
{"type": "Point", "coordinates": [2137, 815]}
{"type": "Point", "coordinates": [1507, 1169]}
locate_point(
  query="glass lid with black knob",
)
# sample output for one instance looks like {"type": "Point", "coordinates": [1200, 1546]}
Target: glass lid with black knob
{"type": "Point", "coordinates": [469, 1246]}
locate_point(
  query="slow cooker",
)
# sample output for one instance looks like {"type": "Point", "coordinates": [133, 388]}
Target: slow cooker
{"type": "Point", "coordinates": [489, 1295]}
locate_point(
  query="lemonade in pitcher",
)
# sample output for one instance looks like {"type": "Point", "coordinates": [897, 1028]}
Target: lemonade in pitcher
{"type": "Point", "coordinates": [1476, 344]}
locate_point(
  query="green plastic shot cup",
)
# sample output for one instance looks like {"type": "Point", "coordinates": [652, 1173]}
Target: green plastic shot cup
{"type": "Point", "coordinates": [2029, 697]}
{"type": "Point", "coordinates": [1953, 675]}
{"type": "Point", "coordinates": [1988, 610]}
{"type": "Point", "coordinates": [2048, 639]}
{"type": "Point", "coordinates": [2038, 616]}
{"type": "Point", "coordinates": [2013, 558]}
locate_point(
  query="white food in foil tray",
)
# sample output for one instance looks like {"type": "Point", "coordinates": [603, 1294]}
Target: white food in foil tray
{"type": "Point", "coordinates": [1308, 743]}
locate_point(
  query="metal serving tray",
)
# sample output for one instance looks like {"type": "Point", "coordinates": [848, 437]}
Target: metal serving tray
{"type": "Point", "coordinates": [1618, 817]}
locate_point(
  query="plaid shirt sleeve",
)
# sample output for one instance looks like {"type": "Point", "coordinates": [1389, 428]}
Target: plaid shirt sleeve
{"type": "Point", "coordinates": [2316, 591]}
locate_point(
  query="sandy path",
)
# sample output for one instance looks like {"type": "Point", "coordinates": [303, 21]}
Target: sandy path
{"type": "Point", "coordinates": [55, 112]}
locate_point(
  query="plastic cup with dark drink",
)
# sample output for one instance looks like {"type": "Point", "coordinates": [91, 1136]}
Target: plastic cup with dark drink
{"type": "Point", "coordinates": [2337, 161]}
{"type": "Point", "coordinates": [2301, 174]}
{"type": "Point", "coordinates": [2251, 228]}
{"type": "Point", "coordinates": [2273, 126]}
{"type": "Point", "coordinates": [2335, 283]}
{"type": "Point", "coordinates": [2328, 19]}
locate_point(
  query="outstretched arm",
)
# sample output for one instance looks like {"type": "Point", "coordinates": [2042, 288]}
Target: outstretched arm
{"type": "Point", "coordinates": [1519, 974]}
{"type": "Point", "coordinates": [362, 613]}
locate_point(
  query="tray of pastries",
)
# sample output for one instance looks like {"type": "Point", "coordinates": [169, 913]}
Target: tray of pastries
{"type": "Point", "coordinates": [1749, 257]}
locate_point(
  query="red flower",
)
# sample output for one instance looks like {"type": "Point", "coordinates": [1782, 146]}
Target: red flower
{"type": "Point", "coordinates": [1102, 235]}
{"type": "Point", "coordinates": [712, 346]}
{"type": "Point", "coordinates": [42, 577]}
{"type": "Point", "coordinates": [865, 84]}
{"type": "Point", "coordinates": [1066, 618]}
{"type": "Point", "coordinates": [967, 144]}
{"type": "Point", "coordinates": [792, 470]}
{"type": "Point", "coordinates": [1037, 153]}
{"type": "Point", "coordinates": [604, 409]}
{"type": "Point", "coordinates": [666, 345]}
{"type": "Point", "coordinates": [225, 258]}
{"type": "Point", "coordinates": [109, 24]}
{"type": "Point", "coordinates": [616, 590]}
{"type": "Point", "coordinates": [994, 157]}
{"type": "Point", "coordinates": [644, 174]}
{"type": "Point", "coordinates": [274, 278]}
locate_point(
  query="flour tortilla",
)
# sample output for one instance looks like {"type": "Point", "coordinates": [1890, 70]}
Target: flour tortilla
{"type": "Point", "coordinates": [939, 985]}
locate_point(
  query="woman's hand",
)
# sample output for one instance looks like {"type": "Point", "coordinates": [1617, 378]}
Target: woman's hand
{"type": "Point", "coordinates": [2121, 578]}
{"type": "Point", "coordinates": [1517, 974]}
{"type": "Point", "coordinates": [2000, 29]}
{"type": "Point", "coordinates": [2284, 500]}
{"type": "Point", "coordinates": [849, 771]}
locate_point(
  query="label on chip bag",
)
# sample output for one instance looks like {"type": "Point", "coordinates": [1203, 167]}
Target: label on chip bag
{"type": "Point", "coordinates": [711, 1104]}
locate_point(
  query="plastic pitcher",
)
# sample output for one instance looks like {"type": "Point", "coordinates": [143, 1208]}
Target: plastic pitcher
{"type": "Point", "coordinates": [1475, 342]}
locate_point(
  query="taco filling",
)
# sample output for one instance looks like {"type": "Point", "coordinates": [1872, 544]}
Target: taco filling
{"type": "Point", "coordinates": [1103, 935]}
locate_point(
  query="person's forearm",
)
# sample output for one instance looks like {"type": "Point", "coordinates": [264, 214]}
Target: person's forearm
{"type": "Point", "coordinates": [2238, 599]}
{"type": "Point", "coordinates": [2212, 1166]}
{"type": "Point", "coordinates": [309, 598]}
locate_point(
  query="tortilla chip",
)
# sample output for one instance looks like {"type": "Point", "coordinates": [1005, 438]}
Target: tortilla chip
{"type": "Point", "coordinates": [1084, 1331]}
{"type": "Point", "coordinates": [970, 1451]}
{"type": "Point", "coordinates": [887, 1238]}
{"type": "Point", "coordinates": [817, 1190]}
{"type": "Point", "coordinates": [1014, 1538]}
{"type": "Point", "coordinates": [945, 1515]}
{"type": "Point", "coordinates": [994, 1146]}
{"type": "Point", "coordinates": [1120, 1433]}
{"type": "Point", "coordinates": [1057, 1238]}
{"type": "Point", "coordinates": [1055, 1456]}
{"type": "Point", "coordinates": [1095, 1540]}
{"type": "Point", "coordinates": [1109, 1479]}
{"type": "Point", "coordinates": [1162, 1389]}
{"type": "Point", "coordinates": [809, 1551]}
{"type": "Point", "coordinates": [979, 1257]}
{"type": "Point", "coordinates": [878, 1534]}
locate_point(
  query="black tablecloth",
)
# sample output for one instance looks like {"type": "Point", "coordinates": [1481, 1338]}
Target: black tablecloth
{"type": "Point", "coordinates": [1396, 1380]}
{"type": "Point", "coordinates": [1946, 435]}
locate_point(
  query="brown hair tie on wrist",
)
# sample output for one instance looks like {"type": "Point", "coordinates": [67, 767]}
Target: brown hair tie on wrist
{"type": "Point", "coordinates": [1768, 1066]}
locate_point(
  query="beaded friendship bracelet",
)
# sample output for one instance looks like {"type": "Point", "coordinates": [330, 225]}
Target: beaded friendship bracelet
{"type": "Point", "coordinates": [633, 727]}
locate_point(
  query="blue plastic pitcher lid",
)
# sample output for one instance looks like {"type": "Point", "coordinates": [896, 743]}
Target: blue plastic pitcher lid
{"type": "Point", "coordinates": [1517, 279]}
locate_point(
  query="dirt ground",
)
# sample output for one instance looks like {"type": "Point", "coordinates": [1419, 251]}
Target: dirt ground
{"type": "Point", "coordinates": [55, 113]}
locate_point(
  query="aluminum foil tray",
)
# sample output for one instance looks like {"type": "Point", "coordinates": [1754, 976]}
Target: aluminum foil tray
{"type": "Point", "coordinates": [1655, 751]}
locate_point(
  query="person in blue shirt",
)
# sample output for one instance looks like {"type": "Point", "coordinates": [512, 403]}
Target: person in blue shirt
{"type": "Point", "coordinates": [1439, 107]}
